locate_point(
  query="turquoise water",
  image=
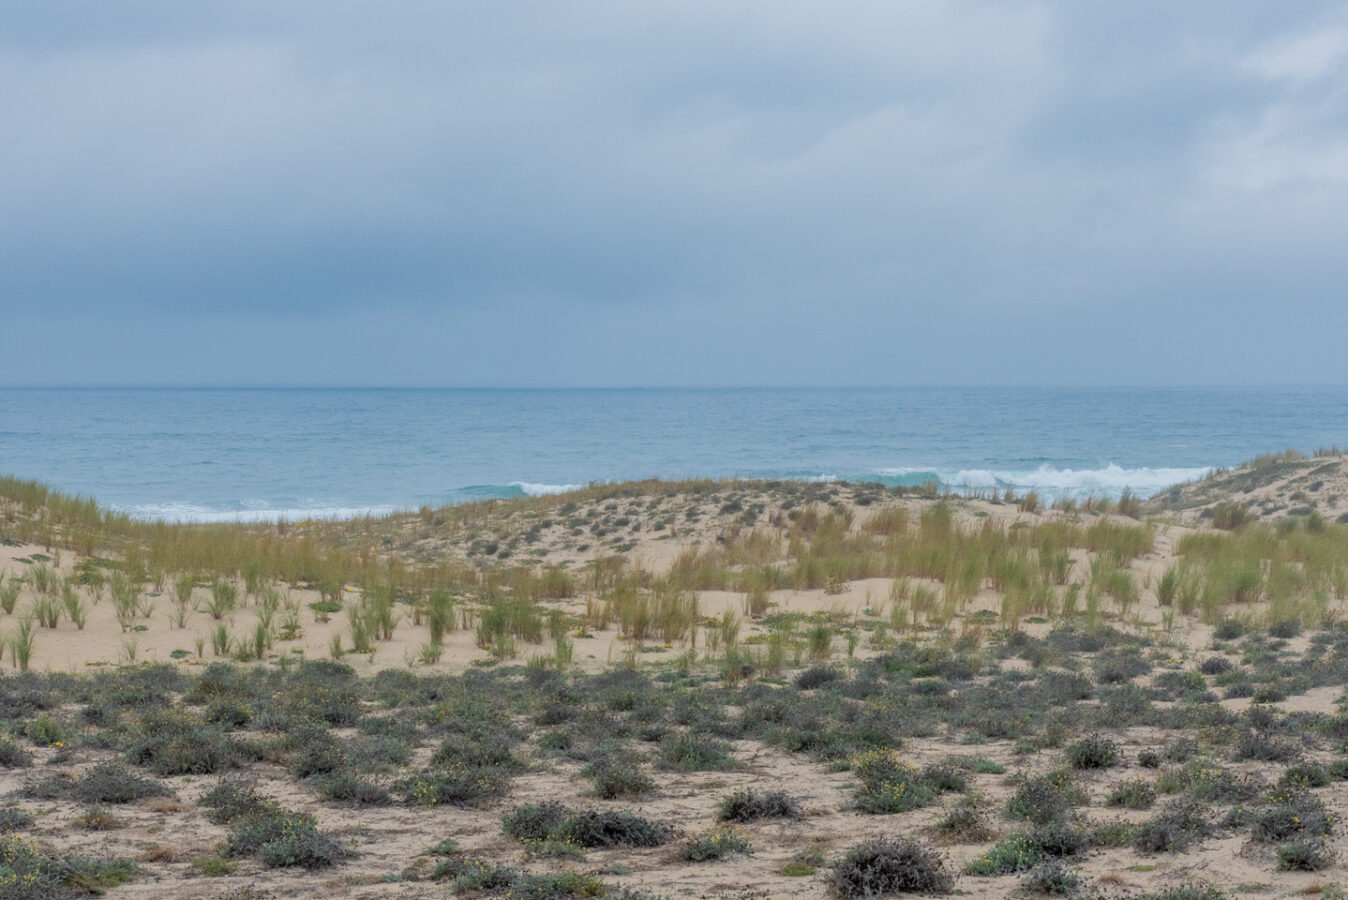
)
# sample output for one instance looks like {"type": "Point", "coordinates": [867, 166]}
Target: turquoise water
{"type": "Point", "coordinates": [257, 454]}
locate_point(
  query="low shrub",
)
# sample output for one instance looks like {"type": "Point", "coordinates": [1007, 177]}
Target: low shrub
{"type": "Point", "coordinates": [685, 751]}
{"type": "Point", "coordinates": [748, 805]}
{"type": "Point", "coordinates": [171, 742]}
{"type": "Point", "coordinates": [1265, 748]}
{"type": "Point", "coordinates": [1053, 878]}
{"type": "Point", "coordinates": [14, 819]}
{"type": "Point", "coordinates": [1093, 752]}
{"type": "Point", "coordinates": [13, 756]}
{"type": "Point", "coordinates": [816, 676]}
{"type": "Point", "coordinates": [979, 765]}
{"type": "Point", "coordinates": [459, 786]}
{"type": "Point", "coordinates": [715, 843]}
{"type": "Point", "coordinates": [30, 872]}
{"type": "Point", "coordinates": [888, 784]}
{"type": "Point", "coordinates": [1175, 828]}
{"type": "Point", "coordinates": [1132, 794]}
{"type": "Point", "coordinates": [1190, 891]}
{"type": "Point", "coordinates": [1044, 798]}
{"type": "Point", "coordinates": [1306, 776]}
{"type": "Point", "coordinates": [108, 782]}
{"type": "Point", "coordinates": [492, 751]}
{"type": "Point", "coordinates": [44, 730]}
{"type": "Point", "coordinates": [1059, 839]}
{"type": "Point", "coordinates": [892, 866]}
{"type": "Point", "coordinates": [618, 777]}
{"type": "Point", "coordinates": [965, 822]}
{"type": "Point", "coordinates": [479, 876]}
{"type": "Point", "coordinates": [1014, 853]}
{"type": "Point", "coordinates": [350, 788]}
{"type": "Point", "coordinates": [1286, 628]}
{"type": "Point", "coordinates": [233, 799]}
{"type": "Point", "coordinates": [229, 712]}
{"type": "Point", "coordinates": [1113, 834]}
{"type": "Point", "coordinates": [1206, 781]}
{"type": "Point", "coordinates": [943, 778]}
{"type": "Point", "coordinates": [612, 828]}
{"type": "Point", "coordinates": [281, 838]}
{"type": "Point", "coordinates": [1294, 814]}
{"type": "Point", "coordinates": [1304, 856]}
{"type": "Point", "coordinates": [1215, 665]}
{"type": "Point", "coordinates": [534, 821]}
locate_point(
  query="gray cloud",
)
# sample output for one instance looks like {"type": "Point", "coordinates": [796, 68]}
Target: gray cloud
{"type": "Point", "coordinates": [616, 193]}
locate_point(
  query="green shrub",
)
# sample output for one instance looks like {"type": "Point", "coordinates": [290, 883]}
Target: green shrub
{"type": "Point", "coordinates": [1294, 814]}
{"type": "Point", "coordinates": [1264, 747]}
{"type": "Point", "coordinates": [234, 799]}
{"type": "Point", "coordinates": [491, 751]}
{"type": "Point", "coordinates": [612, 828]}
{"type": "Point", "coordinates": [472, 875]}
{"type": "Point", "coordinates": [815, 677]}
{"type": "Point", "coordinates": [1014, 853]}
{"type": "Point", "coordinates": [715, 843]}
{"type": "Point", "coordinates": [943, 778]}
{"type": "Point", "coordinates": [282, 838]}
{"type": "Point", "coordinates": [685, 751]}
{"type": "Point", "coordinates": [534, 821]}
{"type": "Point", "coordinates": [1304, 856]}
{"type": "Point", "coordinates": [891, 866]}
{"type": "Point", "coordinates": [1044, 798]}
{"type": "Point", "coordinates": [1305, 776]}
{"type": "Point", "coordinates": [1215, 665]}
{"type": "Point", "coordinates": [1175, 828]}
{"type": "Point", "coordinates": [1113, 834]}
{"type": "Point", "coordinates": [108, 782]}
{"type": "Point", "coordinates": [1133, 793]}
{"type": "Point", "coordinates": [44, 731]}
{"type": "Point", "coordinates": [14, 819]}
{"type": "Point", "coordinates": [1206, 781]}
{"type": "Point", "coordinates": [229, 712]}
{"type": "Point", "coordinates": [748, 805]}
{"type": "Point", "coordinates": [350, 788]}
{"type": "Point", "coordinates": [1093, 752]}
{"type": "Point", "coordinates": [28, 872]}
{"type": "Point", "coordinates": [965, 822]}
{"type": "Point", "coordinates": [1190, 891]}
{"type": "Point", "coordinates": [12, 756]}
{"type": "Point", "coordinates": [457, 787]}
{"type": "Point", "coordinates": [979, 765]}
{"type": "Point", "coordinates": [1053, 878]}
{"type": "Point", "coordinates": [172, 742]}
{"type": "Point", "coordinates": [617, 776]}
{"type": "Point", "coordinates": [888, 784]}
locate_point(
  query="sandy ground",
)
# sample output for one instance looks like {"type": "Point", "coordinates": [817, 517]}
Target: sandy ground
{"type": "Point", "coordinates": [166, 835]}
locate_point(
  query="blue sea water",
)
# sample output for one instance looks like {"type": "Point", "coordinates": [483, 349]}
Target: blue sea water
{"type": "Point", "coordinates": [208, 454]}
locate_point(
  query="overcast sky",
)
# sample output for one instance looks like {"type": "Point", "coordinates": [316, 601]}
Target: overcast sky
{"type": "Point", "coordinates": [688, 193]}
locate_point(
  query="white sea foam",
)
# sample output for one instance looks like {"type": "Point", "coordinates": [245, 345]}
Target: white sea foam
{"type": "Point", "coordinates": [248, 512]}
{"type": "Point", "coordinates": [1108, 481]}
{"type": "Point", "coordinates": [538, 490]}
{"type": "Point", "coordinates": [1052, 482]}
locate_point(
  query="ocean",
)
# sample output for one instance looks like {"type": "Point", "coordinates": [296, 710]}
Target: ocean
{"type": "Point", "coordinates": [257, 454]}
